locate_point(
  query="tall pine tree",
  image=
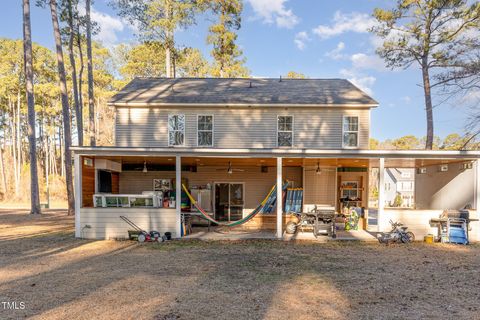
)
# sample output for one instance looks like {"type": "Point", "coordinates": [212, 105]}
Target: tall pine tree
{"type": "Point", "coordinates": [227, 55]}
{"type": "Point", "coordinates": [431, 34]}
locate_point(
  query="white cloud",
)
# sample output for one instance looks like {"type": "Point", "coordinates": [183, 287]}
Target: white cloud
{"type": "Point", "coordinates": [407, 99]}
{"type": "Point", "coordinates": [345, 22]}
{"type": "Point", "coordinates": [364, 82]}
{"type": "Point", "coordinates": [376, 41]}
{"type": "Point", "coordinates": [472, 97]}
{"type": "Point", "coordinates": [300, 39]}
{"type": "Point", "coordinates": [364, 61]}
{"type": "Point", "coordinates": [274, 11]}
{"type": "Point", "coordinates": [337, 53]}
{"type": "Point", "coordinates": [108, 26]}
{"type": "Point", "coordinates": [360, 61]}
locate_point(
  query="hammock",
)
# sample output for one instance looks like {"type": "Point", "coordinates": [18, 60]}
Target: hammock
{"type": "Point", "coordinates": [269, 200]}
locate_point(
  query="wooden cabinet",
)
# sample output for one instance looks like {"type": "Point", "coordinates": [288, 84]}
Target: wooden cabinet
{"type": "Point", "coordinates": [351, 189]}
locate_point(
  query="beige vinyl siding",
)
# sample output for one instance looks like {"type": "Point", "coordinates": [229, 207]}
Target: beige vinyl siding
{"type": "Point", "coordinates": [319, 189]}
{"type": "Point", "coordinates": [257, 184]}
{"type": "Point", "coordinates": [239, 127]}
{"type": "Point", "coordinates": [105, 223]}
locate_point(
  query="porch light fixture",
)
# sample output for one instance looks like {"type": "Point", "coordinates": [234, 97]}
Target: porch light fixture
{"type": "Point", "coordinates": [318, 170]}
{"type": "Point", "coordinates": [443, 168]}
{"type": "Point", "coordinates": [229, 170]}
{"type": "Point", "coordinates": [466, 165]}
{"type": "Point", "coordinates": [144, 167]}
{"type": "Point", "coordinates": [422, 170]}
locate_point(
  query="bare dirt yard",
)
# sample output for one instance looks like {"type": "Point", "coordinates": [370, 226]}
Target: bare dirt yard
{"type": "Point", "coordinates": [54, 276]}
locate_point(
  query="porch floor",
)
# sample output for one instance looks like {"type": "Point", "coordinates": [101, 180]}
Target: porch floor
{"type": "Point", "coordinates": [358, 235]}
{"type": "Point", "coordinates": [215, 234]}
{"type": "Point", "coordinates": [220, 235]}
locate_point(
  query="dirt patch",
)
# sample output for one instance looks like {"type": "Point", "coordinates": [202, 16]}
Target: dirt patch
{"type": "Point", "coordinates": [57, 277]}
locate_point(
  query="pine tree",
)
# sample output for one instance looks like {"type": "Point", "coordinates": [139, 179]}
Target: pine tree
{"type": "Point", "coordinates": [226, 53]}
{"type": "Point", "coordinates": [429, 33]}
{"type": "Point", "coordinates": [32, 139]}
{"type": "Point", "coordinates": [65, 107]}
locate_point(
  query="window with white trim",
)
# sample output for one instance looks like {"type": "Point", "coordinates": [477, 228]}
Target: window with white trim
{"type": "Point", "coordinates": [350, 132]}
{"type": "Point", "coordinates": [285, 131]}
{"type": "Point", "coordinates": [176, 129]}
{"type": "Point", "coordinates": [205, 130]}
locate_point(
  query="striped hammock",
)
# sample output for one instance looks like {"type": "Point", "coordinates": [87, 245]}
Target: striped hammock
{"type": "Point", "coordinates": [264, 206]}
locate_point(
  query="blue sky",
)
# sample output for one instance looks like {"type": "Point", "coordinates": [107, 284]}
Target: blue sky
{"type": "Point", "coordinates": [320, 38]}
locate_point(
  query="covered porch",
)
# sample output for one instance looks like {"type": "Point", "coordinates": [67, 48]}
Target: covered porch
{"type": "Point", "coordinates": [229, 184]}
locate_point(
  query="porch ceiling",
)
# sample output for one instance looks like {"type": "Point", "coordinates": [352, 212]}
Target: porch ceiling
{"type": "Point", "coordinates": [287, 162]}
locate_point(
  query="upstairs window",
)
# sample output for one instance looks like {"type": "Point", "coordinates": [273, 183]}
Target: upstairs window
{"type": "Point", "coordinates": [350, 132]}
{"type": "Point", "coordinates": [284, 131]}
{"type": "Point", "coordinates": [205, 131]}
{"type": "Point", "coordinates": [176, 130]}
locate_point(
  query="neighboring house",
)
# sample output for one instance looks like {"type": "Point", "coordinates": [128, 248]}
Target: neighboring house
{"type": "Point", "coordinates": [399, 187]}
{"type": "Point", "coordinates": [230, 140]}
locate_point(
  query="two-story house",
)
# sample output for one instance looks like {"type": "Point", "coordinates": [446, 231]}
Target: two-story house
{"type": "Point", "coordinates": [399, 187]}
{"type": "Point", "coordinates": [229, 141]}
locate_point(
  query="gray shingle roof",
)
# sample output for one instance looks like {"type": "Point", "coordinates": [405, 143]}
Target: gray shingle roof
{"type": "Point", "coordinates": [227, 91]}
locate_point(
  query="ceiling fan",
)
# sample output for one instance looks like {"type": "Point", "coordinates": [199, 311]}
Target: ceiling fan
{"type": "Point", "coordinates": [230, 169]}
{"type": "Point", "coordinates": [319, 170]}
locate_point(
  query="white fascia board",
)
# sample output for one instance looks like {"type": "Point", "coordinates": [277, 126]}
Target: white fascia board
{"type": "Point", "coordinates": [276, 152]}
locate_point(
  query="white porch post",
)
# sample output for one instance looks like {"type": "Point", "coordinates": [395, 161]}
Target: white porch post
{"type": "Point", "coordinates": [78, 194]}
{"type": "Point", "coordinates": [477, 186]}
{"type": "Point", "coordinates": [381, 194]}
{"type": "Point", "coordinates": [477, 198]}
{"type": "Point", "coordinates": [279, 199]}
{"type": "Point", "coordinates": [178, 196]}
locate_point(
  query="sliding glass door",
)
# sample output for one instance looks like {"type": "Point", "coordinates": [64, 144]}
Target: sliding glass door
{"type": "Point", "coordinates": [229, 201]}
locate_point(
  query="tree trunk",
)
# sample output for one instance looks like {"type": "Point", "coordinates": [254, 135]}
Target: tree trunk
{"type": "Point", "coordinates": [91, 106]}
{"type": "Point", "coordinates": [32, 139]}
{"type": "Point", "coordinates": [428, 104]}
{"type": "Point", "coordinates": [80, 74]}
{"type": "Point", "coordinates": [53, 155]}
{"type": "Point", "coordinates": [41, 138]}
{"type": "Point", "coordinates": [168, 60]}
{"type": "Point", "coordinates": [61, 149]}
{"type": "Point", "coordinates": [4, 177]}
{"type": "Point", "coordinates": [65, 108]}
{"type": "Point", "coordinates": [78, 109]}
{"type": "Point", "coordinates": [18, 140]}
{"type": "Point", "coordinates": [168, 42]}
{"type": "Point", "coordinates": [19, 131]}
{"type": "Point", "coordinates": [14, 145]}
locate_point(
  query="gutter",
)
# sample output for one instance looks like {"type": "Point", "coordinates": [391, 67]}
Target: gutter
{"type": "Point", "coordinates": [273, 153]}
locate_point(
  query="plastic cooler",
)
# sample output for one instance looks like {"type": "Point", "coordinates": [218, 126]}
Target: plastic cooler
{"type": "Point", "coordinates": [458, 234]}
